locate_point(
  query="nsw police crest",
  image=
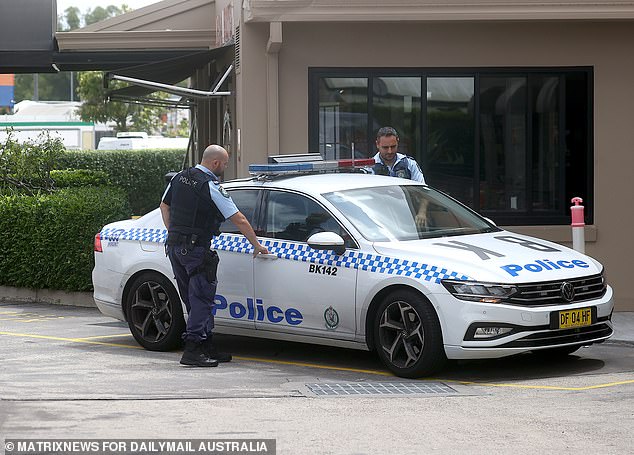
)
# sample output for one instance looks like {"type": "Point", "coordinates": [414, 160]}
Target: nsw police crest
{"type": "Point", "coordinates": [331, 317]}
{"type": "Point", "coordinates": [223, 191]}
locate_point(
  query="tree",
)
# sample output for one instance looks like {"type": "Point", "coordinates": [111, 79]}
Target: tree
{"type": "Point", "coordinates": [88, 86]}
{"type": "Point", "coordinates": [99, 13]}
{"type": "Point", "coordinates": [72, 17]}
{"type": "Point", "coordinates": [25, 166]}
{"type": "Point", "coordinates": [95, 108]}
{"type": "Point", "coordinates": [72, 20]}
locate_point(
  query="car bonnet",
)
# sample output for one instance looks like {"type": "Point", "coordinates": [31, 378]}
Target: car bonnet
{"type": "Point", "coordinates": [501, 256]}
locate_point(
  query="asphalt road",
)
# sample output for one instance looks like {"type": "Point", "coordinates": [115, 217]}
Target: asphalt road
{"type": "Point", "coordinates": [68, 372]}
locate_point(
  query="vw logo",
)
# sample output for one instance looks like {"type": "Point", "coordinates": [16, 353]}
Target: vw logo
{"type": "Point", "coordinates": [567, 291]}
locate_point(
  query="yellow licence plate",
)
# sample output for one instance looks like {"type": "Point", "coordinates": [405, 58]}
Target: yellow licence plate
{"type": "Point", "coordinates": [580, 317]}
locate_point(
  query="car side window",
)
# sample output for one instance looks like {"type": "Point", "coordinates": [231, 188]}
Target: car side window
{"type": "Point", "coordinates": [295, 217]}
{"type": "Point", "coordinates": [246, 201]}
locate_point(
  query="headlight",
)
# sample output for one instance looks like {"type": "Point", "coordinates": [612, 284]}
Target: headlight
{"type": "Point", "coordinates": [479, 292]}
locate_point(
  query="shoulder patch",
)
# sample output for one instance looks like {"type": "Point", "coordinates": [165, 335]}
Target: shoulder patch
{"type": "Point", "coordinates": [223, 191]}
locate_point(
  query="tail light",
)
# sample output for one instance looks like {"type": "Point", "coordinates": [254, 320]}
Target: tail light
{"type": "Point", "coordinates": [97, 246]}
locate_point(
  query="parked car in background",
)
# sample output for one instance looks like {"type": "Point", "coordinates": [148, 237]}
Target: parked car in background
{"type": "Point", "coordinates": [141, 141]}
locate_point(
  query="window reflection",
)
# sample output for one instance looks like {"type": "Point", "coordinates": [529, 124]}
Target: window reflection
{"type": "Point", "coordinates": [343, 117]}
{"type": "Point", "coordinates": [246, 201]}
{"type": "Point", "coordinates": [546, 166]}
{"type": "Point", "coordinates": [503, 143]}
{"type": "Point", "coordinates": [290, 216]}
{"type": "Point", "coordinates": [397, 103]}
{"type": "Point", "coordinates": [449, 162]}
{"type": "Point", "coordinates": [515, 145]}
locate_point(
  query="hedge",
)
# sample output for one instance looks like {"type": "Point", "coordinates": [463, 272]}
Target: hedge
{"type": "Point", "coordinates": [141, 173]}
{"type": "Point", "coordinates": [47, 239]}
{"type": "Point", "coordinates": [66, 178]}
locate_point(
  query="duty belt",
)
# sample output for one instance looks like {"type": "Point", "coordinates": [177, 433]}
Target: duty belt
{"type": "Point", "coordinates": [186, 240]}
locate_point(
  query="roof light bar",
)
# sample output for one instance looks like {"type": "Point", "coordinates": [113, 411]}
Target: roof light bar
{"type": "Point", "coordinates": [315, 166]}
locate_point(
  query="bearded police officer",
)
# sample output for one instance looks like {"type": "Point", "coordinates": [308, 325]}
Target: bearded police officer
{"type": "Point", "coordinates": [193, 206]}
{"type": "Point", "coordinates": [390, 162]}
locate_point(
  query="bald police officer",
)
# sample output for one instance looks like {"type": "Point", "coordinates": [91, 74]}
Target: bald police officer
{"type": "Point", "coordinates": [193, 207]}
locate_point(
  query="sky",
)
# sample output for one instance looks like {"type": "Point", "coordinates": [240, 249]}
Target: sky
{"type": "Point", "coordinates": [85, 5]}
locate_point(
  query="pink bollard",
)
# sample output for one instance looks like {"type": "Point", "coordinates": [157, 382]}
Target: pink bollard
{"type": "Point", "coordinates": [578, 226]}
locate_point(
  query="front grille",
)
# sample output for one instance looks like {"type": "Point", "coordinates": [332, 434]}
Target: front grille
{"type": "Point", "coordinates": [549, 292]}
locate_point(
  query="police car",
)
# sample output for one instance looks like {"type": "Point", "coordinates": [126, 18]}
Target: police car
{"type": "Point", "coordinates": [366, 262]}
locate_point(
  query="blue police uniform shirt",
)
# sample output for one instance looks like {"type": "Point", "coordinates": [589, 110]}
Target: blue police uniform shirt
{"type": "Point", "coordinates": [412, 166]}
{"type": "Point", "coordinates": [224, 203]}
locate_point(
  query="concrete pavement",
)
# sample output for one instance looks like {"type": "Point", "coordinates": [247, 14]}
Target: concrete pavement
{"type": "Point", "coordinates": [623, 326]}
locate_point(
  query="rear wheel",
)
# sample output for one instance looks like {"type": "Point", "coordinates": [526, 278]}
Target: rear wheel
{"type": "Point", "coordinates": [407, 335]}
{"type": "Point", "coordinates": [154, 312]}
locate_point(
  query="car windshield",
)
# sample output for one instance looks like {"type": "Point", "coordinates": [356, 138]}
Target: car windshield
{"type": "Point", "coordinates": [406, 212]}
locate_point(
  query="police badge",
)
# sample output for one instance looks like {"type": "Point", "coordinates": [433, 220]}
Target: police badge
{"type": "Point", "coordinates": [223, 191]}
{"type": "Point", "coordinates": [331, 317]}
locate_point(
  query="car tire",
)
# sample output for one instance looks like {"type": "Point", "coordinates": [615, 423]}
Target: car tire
{"type": "Point", "coordinates": [407, 335]}
{"type": "Point", "coordinates": [555, 353]}
{"type": "Point", "coordinates": [154, 312]}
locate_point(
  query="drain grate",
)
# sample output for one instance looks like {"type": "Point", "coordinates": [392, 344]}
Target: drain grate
{"type": "Point", "coordinates": [380, 388]}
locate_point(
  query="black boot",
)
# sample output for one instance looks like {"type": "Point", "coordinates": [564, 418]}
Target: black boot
{"type": "Point", "coordinates": [210, 350]}
{"type": "Point", "coordinates": [195, 356]}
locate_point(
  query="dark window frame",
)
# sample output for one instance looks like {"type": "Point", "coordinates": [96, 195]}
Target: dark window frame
{"type": "Point", "coordinates": [511, 218]}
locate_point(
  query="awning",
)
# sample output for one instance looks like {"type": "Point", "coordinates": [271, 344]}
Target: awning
{"type": "Point", "coordinates": [163, 75]}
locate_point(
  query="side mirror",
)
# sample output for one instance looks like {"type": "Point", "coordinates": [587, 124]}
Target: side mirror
{"type": "Point", "coordinates": [490, 221]}
{"type": "Point", "coordinates": [327, 241]}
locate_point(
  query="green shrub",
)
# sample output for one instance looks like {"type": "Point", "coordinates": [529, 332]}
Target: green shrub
{"type": "Point", "coordinates": [25, 166]}
{"type": "Point", "coordinates": [79, 177]}
{"type": "Point", "coordinates": [139, 172]}
{"type": "Point", "coordinates": [47, 239]}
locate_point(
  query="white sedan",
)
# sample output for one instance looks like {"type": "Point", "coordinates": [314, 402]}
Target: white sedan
{"type": "Point", "coordinates": [364, 262]}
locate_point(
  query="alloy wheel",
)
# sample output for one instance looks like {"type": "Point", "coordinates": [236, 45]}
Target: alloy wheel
{"type": "Point", "coordinates": [151, 312]}
{"type": "Point", "coordinates": [401, 334]}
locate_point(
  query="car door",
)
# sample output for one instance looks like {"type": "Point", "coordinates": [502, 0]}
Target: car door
{"type": "Point", "coordinates": [298, 289]}
{"type": "Point", "coordinates": [234, 303]}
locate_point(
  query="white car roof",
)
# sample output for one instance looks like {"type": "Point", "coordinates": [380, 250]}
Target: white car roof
{"type": "Point", "coordinates": [316, 184]}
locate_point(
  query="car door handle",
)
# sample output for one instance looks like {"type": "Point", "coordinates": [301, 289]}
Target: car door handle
{"type": "Point", "coordinates": [267, 256]}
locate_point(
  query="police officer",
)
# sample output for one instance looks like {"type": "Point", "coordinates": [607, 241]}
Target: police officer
{"type": "Point", "coordinates": [193, 206]}
{"type": "Point", "coordinates": [390, 162]}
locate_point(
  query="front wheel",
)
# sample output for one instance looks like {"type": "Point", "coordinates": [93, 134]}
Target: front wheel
{"type": "Point", "coordinates": [407, 335]}
{"type": "Point", "coordinates": [154, 312]}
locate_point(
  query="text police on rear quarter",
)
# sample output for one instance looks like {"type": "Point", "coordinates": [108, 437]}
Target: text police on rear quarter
{"type": "Point", "coordinates": [350, 266]}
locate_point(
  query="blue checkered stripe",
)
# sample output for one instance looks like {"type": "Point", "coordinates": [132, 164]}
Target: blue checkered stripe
{"type": "Point", "coordinates": [373, 263]}
{"type": "Point", "coordinates": [350, 259]}
{"type": "Point", "coordinates": [237, 244]}
{"type": "Point", "coordinates": [142, 234]}
{"type": "Point", "coordinates": [415, 269]}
